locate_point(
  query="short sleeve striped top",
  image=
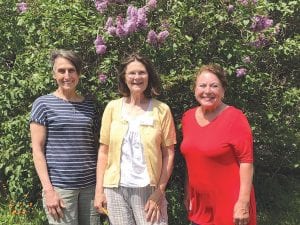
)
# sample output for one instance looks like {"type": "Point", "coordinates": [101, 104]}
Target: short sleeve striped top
{"type": "Point", "coordinates": [71, 146]}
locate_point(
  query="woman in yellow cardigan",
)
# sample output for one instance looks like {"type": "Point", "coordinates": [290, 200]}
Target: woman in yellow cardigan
{"type": "Point", "coordinates": [136, 154]}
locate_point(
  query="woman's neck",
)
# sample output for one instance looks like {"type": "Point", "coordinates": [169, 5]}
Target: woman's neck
{"type": "Point", "coordinates": [137, 100]}
{"type": "Point", "coordinates": [68, 95]}
{"type": "Point", "coordinates": [136, 105]}
{"type": "Point", "coordinates": [212, 111]}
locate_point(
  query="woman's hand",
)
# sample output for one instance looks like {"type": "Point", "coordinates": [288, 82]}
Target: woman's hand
{"type": "Point", "coordinates": [153, 205]}
{"type": "Point", "coordinates": [100, 203]}
{"type": "Point", "coordinates": [54, 204]}
{"type": "Point", "coordinates": [241, 213]}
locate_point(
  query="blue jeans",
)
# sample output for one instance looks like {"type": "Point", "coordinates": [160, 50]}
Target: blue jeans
{"type": "Point", "coordinates": [79, 207]}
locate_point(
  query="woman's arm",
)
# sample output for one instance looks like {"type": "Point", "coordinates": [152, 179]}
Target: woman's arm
{"type": "Point", "coordinates": [100, 199]}
{"type": "Point", "coordinates": [154, 201]}
{"type": "Point", "coordinates": [241, 208]}
{"type": "Point", "coordinates": [167, 167]}
{"type": "Point", "coordinates": [54, 203]}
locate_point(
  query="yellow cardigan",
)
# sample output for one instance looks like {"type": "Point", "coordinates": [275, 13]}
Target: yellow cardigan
{"type": "Point", "coordinates": [155, 136]}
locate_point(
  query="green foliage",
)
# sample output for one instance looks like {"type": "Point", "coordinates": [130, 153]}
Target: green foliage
{"type": "Point", "coordinates": [200, 32]}
{"type": "Point", "coordinates": [277, 193]}
{"type": "Point", "coordinates": [9, 215]}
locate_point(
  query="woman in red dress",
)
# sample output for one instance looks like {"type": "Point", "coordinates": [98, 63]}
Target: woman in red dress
{"type": "Point", "coordinates": [218, 149]}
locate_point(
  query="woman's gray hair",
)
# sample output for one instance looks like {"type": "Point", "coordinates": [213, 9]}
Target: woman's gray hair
{"type": "Point", "coordinates": [69, 55]}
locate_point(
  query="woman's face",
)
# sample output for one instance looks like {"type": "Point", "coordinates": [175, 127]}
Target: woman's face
{"type": "Point", "coordinates": [136, 77]}
{"type": "Point", "coordinates": [208, 90]}
{"type": "Point", "coordinates": [65, 74]}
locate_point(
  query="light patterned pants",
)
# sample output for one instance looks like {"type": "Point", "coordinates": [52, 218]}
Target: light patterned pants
{"type": "Point", "coordinates": [79, 207]}
{"type": "Point", "coordinates": [126, 206]}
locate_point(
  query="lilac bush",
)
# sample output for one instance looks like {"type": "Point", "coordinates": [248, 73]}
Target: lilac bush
{"type": "Point", "coordinates": [255, 41]}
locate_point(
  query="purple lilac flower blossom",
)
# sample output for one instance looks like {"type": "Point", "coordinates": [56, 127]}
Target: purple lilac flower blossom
{"type": "Point", "coordinates": [152, 37]}
{"type": "Point", "coordinates": [132, 12]}
{"type": "Point", "coordinates": [112, 30]}
{"type": "Point", "coordinates": [260, 42]}
{"type": "Point", "coordinates": [136, 18]}
{"type": "Point", "coordinates": [157, 39]}
{"type": "Point", "coordinates": [241, 72]}
{"type": "Point", "coordinates": [230, 9]}
{"type": "Point", "coordinates": [130, 26]}
{"type": "Point", "coordinates": [161, 37]}
{"type": "Point", "coordinates": [101, 49]}
{"type": "Point", "coordinates": [246, 59]}
{"type": "Point", "coordinates": [102, 78]}
{"type": "Point", "coordinates": [22, 7]}
{"type": "Point", "coordinates": [109, 22]}
{"type": "Point", "coordinates": [243, 2]}
{"type": "Point", "coordinates": [142, 18]}
{"type": "Point", "coordinates": [99, 41]}
{"type": "Point", "coordinates": [151, 4]}
{"type": "Point", "coordinates": [120, 30]}
{"type": "Point", "coordinates": [101, 5]}
{"type": "Point", "coordinates": [100, 45]}
{"type": "Point", "coordinates": [260, 23]}
{"type": "Point", "coordinates": [109, 26]}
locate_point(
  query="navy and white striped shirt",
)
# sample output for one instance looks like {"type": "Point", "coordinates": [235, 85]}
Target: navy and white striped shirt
{"type": "Point", "coordinates": [71, 145]}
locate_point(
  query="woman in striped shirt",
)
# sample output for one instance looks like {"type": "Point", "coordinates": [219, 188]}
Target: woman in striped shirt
{"type": "Point", "coordinates": [64, 146]}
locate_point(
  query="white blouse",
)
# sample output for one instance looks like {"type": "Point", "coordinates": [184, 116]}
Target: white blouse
{"type": "Point", "coordinates": [133, 165]}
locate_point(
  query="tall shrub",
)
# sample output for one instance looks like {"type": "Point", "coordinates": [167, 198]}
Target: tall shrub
{"type": "Point", "coordinates": [256, 41]}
